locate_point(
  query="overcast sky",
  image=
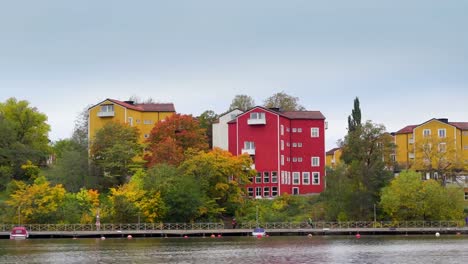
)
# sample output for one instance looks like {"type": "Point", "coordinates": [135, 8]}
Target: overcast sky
{"type": "Point", "coordinates": [407, 61]}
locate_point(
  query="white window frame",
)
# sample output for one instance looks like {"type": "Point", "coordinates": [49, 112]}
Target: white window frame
{"type": "Point", "coordinates": [299, 144]}
{"type": "Point", "coordinates": [274, 191]}
{"type": "Point", "coordinates": [249, 145]}
{"type": "Point", "coordinates": [299, 159]}
{"type": "Point", "coordinates": [442, 147]}
{"type": "Point", "coordinates": [295, 191]}
{"type": "Point", "coordinates": [258, 177]}
{"type": "Point", "coordinates": [130, 121]}
{"type": "Point", "coordinates": [283, 178]}
{"type": "Point", "coordinates": [282, 130]}
{"type": "Point", "coordinates": [107, 108]}
{"type": "Point", "coordinates": [266, 191]}
{"type": "Point", "coordinates": [426, 132]}
{"type": "Point", "coordinates": [250, 191]}
{"type": "Point", "coordinates": [257, 115]}
{"type": "Point", "coordinates": [315, 161]}
{"type": "Point", "coordinates": [282, 160]}
{"type": "Point", "coordinates": [305, 178]}
{"type": "Point", "coordinates": [282, 144]}
{"type": "Point", "coordinates": [266, 177]}
{"type": "Point", "coordinates": [315, 176]}
{"type": "Point", "coordinates": [274, 177]}
{"type": "Point", "coordinates": [442, 132]}
{"type": "Point", "coordinates": [299, 130]}
{"type": "Point", "coordinates": [294, 130]}
{"type": "Point", "coordinates": [296, 178]}
{"type": "Point", "coordinates": [258, 191]}
{"type": "Point", "coordinates": [294, 159]}
{"type": "Point", "coordinates": [314, 132]}
{"type": "Point", "coordinates": [294, 145]}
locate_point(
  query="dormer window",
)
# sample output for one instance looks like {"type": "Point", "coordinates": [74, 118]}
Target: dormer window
{"type": "Point", "coordinates": [257, 118]}
{"type": "Point", "coordinates": [107, 110]}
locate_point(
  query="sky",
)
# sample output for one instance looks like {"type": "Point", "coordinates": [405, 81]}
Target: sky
{"type": "Point", "coordinates": [407, 61]}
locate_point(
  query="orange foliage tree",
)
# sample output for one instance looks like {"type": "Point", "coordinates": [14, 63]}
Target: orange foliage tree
{"type": "Point", "coordinates": [171, 137]}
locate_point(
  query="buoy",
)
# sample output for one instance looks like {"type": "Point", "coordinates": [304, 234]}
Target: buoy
{"type": "Point", "coordinates": [213, 236]}
{"type": "Point", "coordinates": [259, 236]}
{"type": "Point", "coordinates": [358, 235]}
{"type": "Point", "coordinates": [185, 236]}
{"type": "Point", "coordinates": [437, 234]}
{"type": "Point", "coordinates": [219, 235]}
{"type": "Point", "coordinates": [129, 237]}
{"type": "Point", "coordinates": [103, 237]}
{"type": "Point", "coordinates": [458, 233]}
{"type": "Point", "coordinates": [309, 235]}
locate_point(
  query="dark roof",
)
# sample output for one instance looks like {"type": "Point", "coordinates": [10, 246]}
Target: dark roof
{"type": "Point", "coordinates": [460, 125]}
{"type": "Point", "coordinates": [303, 115]}
{"type": "Point", "coordinates": [153, 107]}
{"type": "Point", "coordinates": [406, 129]}
{"type": "Point", "coordinates": [332, 151]}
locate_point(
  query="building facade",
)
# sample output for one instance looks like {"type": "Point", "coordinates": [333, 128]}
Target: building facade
{"type": "Point", "coordinates": [333, 157]}
{"type": "Point", "coordinates": [220, 129]}
{"type": "Point", "coordinates": [288, 150]}
{"type": "Point", "coordinates": [142, 116]}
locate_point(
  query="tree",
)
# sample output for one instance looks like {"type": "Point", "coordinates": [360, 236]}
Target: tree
{"type": "Point", "coordinates": [409, 198]}
{"type": "Point", "coordinates": [37, 203]}
{"type": "Point", "coordinates": [338, 194]}
{"type": "Point", "coordinates": [206, 120]}
{"type": "Point", "coordinates": [284, 102]}
{"type": "Point", "coordinates": [220, 176]}
{"type": "Point", "coordinates": [169, 139]}
{"type": "Point", "coordinates": [23, 130]}
{"type": "Point", "coordinates": [114, 150]}
{"type": "Point", "coordinates": [242, 102]}
{"type": "Point", "coordinates": [354, 120]}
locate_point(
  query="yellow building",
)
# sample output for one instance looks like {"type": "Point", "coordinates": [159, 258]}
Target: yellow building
{"type": "Point", "coordinates": [436, 144]}
{"type": "Point", "coordinates": [142, 116]}
{"type": "Point", "coordinates": [333, 157]}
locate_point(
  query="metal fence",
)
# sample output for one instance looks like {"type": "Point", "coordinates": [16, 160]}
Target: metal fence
{"type": "Point", "coordinates": [246, 225]}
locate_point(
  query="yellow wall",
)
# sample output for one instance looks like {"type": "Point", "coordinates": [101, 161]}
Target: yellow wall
{"type": "Point", "coordinates": [336, 157]}
{"type": "Point", "coordinates": [144, 121]}
{"type": "Point", "coordinates": [404, 147]}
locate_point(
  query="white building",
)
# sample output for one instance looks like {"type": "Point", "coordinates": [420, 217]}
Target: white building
{"type": "Point", "coordinates": [220, 129]}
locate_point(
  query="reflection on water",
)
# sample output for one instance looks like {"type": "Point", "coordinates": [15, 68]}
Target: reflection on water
{"type": "Point", "coordinates": [332, 249]}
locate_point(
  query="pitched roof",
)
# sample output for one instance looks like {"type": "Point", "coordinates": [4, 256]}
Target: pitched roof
{"type": "Point", "coordinates": [303, 115]}
{"type": "Point", "coordinates": [153, 107]}
{"type": "Point", "coordinates": [332, 151]}
{"type": "Point", "coordinates": [406, 129]}
{"type": "Point", "coordinates": [460, 125]}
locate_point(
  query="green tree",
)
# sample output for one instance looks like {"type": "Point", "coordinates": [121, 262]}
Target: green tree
{"type": "Point", "coordinates": [354, 120]}
{"type": "Point", "coordinates": [169, 140]}
{"type": "Point", "coordinates": [338, 194]}
{"type": "Point", "coordinates": [284, 102]}
{"type": "Point", "coordinates": [206, 120]}
{"type": "Point", "coordinates": [409, 198]}
{"type": "Point", "coordinates": [114, 150]}
{"type": "Point", "coordinates": [23, 133]}
{"type": "Point", "coordinates": [242, 102]}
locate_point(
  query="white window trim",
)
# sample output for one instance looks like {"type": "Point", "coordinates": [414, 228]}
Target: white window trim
{"type": "Point", "coordinates": [440, 130]}
{"type": "Point", "coordinates": [304, 178]}
{"type": "Point", "coordinates": [314, 132]}
{"type": "Point", "coordinates": [428, 134]}
{"type": "Point", "coordinates": [318, 161]}
{"type": "Point", "coordinates": [313, 177]}
{"type": "Point", "coordinates": [298, 174]}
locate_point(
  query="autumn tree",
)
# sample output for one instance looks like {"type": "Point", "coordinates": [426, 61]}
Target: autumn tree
{"type": "Point", "coordinates": [114, 150]}
{"type": "Point", "coordinates": [242, 102]}
{"type": "Point", "coordinates": [206, 120]}
{"type": "Point", "coordinates": [220, 176]}
{"type": "Point", "coordinates": [170, 138]}
{"type": "Point", "coordinates": [409, 198]}
{"type": "Point", "coordinates": [284, 102]}
{"type": "Point", "coordinates": [37, 203]}
{"type": "Point", "coordinates": [24, 136]}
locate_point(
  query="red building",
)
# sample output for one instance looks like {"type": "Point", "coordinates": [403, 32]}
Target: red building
{"type": "Point", "coordinates": [288, 150]}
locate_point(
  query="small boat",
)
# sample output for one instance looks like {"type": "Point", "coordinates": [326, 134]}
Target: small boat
{"type": "Point", "coordinates": [258, 232]}
{"type": "Point", "coordinates": [19, 233]}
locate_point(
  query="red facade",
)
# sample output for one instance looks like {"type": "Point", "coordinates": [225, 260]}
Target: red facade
{"type": "Point", "coordinates": [288, 149]}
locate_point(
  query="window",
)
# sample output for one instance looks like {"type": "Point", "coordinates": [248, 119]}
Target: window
{"type": "Point", "coordinates": [294, 145]}
{"type": "Point", "coordinates": [282, 144]}
{"type": "Point", "coordinates": [465, 147]}
{"type": "Point", "coordinates": [258, 191]}
{"type": "Point", "coordinates": [299, 130]}
{"type": "Point", "coordinates": [266, 192]}
{"type": "Point", "coordinates": [130, 121]}
{"type": "Point", "coordinates": [257, 115]}
{"type": "Point", "coordinates": [147, 122]}
{"type": "Point", "coordinates": [427, 147]}
{"type": "Point", "coordinates": [274, 177]}
{"type": "Point", "coordinates": [314, 132]}
{"type": "Point", "coordinates": [306, 178]}
{"type": "Point", "coordinates": [296, 178]}
{"type": "Point", "coordinates": [299, 144]}
{"type": "Point", "coordinates": [287, 129]}
{"type": "Point", "coordinates": [282, 159]}
{"type": "Point", "coordinates": [295, 190]}
{"type": "Point", "coordinates": [442, 147]}
{"type": "Point", "coordinates": [442, 132]}
{"type": "Point", "coordinates": [294, 159]}
{"type": "Point", "coordinates": [283, 178]}
{"type": "Point", "coordinates": [233, 116]}
{"type": "Point", "coordinates": [137, 121]}
{"type": "Point", "coordinates": [282, 130]}
{"type": "Point", "coordinates": [315, 178]}
{"type": "Point", "coordinates": [288, 178]}
{"type": "Point", "coordinates": [251, 179]}
{"type": "Point", "coordinates": [315, 161]}
{"type": "Point", "coordinates": [465, 133]}
{"type": "Point", "coordinates": [249, 145]}
{"type": "Point", "coordinates": [258, 179]}
{"type": "Point", "coordinates": [287, 144]}
{"type": "Point", "coordinates": [294, 130]}
{"type": "Point", "coordinates": [466, 196]}
{"type": "Point", "coordinates": [426, 133]}
{"type": "Point", "coordinates": [266, 177]}
{"type": "Point", "coordinates": [107, 108]}
{"type": "Point", "coordinates": [250, 191]}
{"type": "Point", "coordinates": [299, 159]}
{"type": "Point", "coordinates": [274, 191]}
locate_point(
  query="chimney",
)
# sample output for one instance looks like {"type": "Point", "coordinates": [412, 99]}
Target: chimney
{"type": "Point", "coordinates": [443, 120]}
{"type": "Point", "coordinates": [129, 102]}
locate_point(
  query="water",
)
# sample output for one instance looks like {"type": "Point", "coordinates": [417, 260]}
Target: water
{"type": "Point", "coordinates": [332, 249]}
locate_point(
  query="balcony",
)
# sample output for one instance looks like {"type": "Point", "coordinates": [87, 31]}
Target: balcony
{"type": "Point", "coordinates": [248, 151]}
{"type": "Point", "coordinates": [106, 114]}
{"type": "Point", "coordinates": [411, 140]}
{"type": "Point", "coordinates": [256, 121]}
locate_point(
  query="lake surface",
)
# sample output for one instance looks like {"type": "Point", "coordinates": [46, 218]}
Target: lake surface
{"type": "Point", "coordinates": [279, 249]}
